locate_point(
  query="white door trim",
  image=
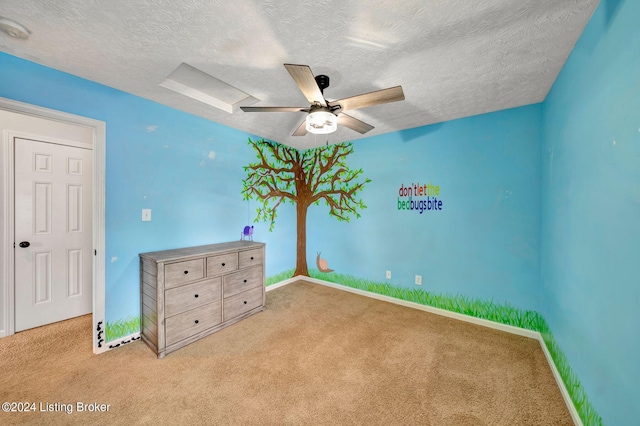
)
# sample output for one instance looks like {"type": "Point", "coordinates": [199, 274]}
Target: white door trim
{"type": "Point", "coordinates": [7, 238]}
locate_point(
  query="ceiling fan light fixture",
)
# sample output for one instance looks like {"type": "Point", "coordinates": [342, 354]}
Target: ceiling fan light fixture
{"type": "Point", "coordinates": [321, 122]}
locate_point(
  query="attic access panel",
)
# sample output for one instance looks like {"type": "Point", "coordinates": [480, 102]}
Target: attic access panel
{"type": "Point", "coordinates": [198, 85]}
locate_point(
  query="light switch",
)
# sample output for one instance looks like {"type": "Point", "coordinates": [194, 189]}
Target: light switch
{"type": "Point", "coordinates": [146, 215]}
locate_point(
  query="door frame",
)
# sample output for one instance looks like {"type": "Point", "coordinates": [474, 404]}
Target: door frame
{"type": "Point", "coordinates": [98, 129]}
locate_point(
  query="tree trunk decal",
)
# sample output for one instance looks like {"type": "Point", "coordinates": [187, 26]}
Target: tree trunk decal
{"type": "Point", "coordinates": [282, 174]}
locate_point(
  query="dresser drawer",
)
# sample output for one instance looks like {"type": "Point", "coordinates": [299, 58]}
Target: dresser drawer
{"type": "Point", "coordinates": [242, 280]}
{"type": "Point", "coordinates": [250, 258]}
{"type": "Point", "coordinates": [218, 265]}
{"type": "Point", "coordinates": [243, 302]}
{"type": "Point", "coordinates": [190, 296]}
{"type": "Point", "coordinates": [183, 272]}
{"type": "Point", "coordinates": [187, 324]}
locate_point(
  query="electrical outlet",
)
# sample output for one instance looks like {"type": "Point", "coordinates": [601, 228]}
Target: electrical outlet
{"type": "Point", "coordinates": [418, 279]}
{"type": "Point", "coordinates": [388, 275]}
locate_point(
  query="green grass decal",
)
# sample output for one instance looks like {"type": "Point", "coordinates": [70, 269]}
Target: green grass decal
{"type": "Point", "coordinates": [274, 279]}
{"type": "Point", "coordinates": [502, 313]}
{"type": "Point", "coordinates": [121, 328]}
{"type": "Point", "coordinates": [585, 409]}
{"type": "Point", "coordinates": [478, 308]}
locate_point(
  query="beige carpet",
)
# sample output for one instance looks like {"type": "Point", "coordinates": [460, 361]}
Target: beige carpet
{"type": "Point", "coordinates": [316, 356]}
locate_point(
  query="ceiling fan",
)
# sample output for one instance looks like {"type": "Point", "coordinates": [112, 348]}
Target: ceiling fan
{"type": "Point", "coordinates": [324, 116]}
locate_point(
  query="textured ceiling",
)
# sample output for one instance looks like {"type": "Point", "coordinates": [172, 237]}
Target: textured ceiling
{"type": "Point", "coordinates": [453, 58]}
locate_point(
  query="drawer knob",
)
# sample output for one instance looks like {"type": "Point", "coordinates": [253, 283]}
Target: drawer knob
{"type": "Point", "coordinates": [186, 272]}
{"type": "Point", "coordinates": [195, 295]}
{"type": "Point", "coordinates": [251, 257]}
{"type": "Point", "coordinates": [245, 302]}
{"type": "Point", "coordinates": [223, 263]}
{"type": "Point", "coordinates": [196, 321]}
{"type": "Point", "coordinates": [245, 281]}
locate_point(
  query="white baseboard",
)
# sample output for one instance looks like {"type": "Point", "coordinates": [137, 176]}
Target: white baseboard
{"type": "Point", "coordinates": [563, 389]}
{"type": "Point", "coordinates": [283, 283]}
{"type": "Point", "coordinates": [454, 315]}
{"type": "Point", "coordinates": [437, 311]}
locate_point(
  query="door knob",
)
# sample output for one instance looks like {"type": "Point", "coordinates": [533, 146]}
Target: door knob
{"type": "Point", "coordinates": [24, 244]}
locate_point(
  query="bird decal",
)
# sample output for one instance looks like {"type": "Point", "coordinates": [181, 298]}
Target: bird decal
{"type": "Point", "coordinates": [322, 264]}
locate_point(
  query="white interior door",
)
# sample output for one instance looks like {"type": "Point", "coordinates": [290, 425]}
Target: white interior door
{"type": "Point", "coordinates": [53, 221]}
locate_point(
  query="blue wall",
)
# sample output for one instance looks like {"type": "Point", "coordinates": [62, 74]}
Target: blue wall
{"type": "Point", "coordinates": [188, 170]}
{"type": "Point", "coordinates": [590, 278]}
{"type": "Point", "coordinates": [485, 240]}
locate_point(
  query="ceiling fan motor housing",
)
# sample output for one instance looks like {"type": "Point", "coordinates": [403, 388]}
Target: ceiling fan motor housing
{"type": "Point", "coordinates": [323, 82]}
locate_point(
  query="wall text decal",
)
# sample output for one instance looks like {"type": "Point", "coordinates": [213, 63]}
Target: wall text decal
{"type": "Point", "coordinates": [420, 197]}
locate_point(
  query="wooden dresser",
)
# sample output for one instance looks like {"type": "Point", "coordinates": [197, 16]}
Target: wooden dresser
{"type": "Point", "coordinates": [189, 293]}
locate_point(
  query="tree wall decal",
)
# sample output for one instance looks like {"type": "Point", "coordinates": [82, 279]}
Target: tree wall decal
{"type": "Point", "coordinates": [282, 174]}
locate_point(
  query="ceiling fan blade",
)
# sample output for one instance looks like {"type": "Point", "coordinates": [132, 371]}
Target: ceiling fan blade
{"type": "Point", "coordinates": [305, 80]}
{"type": "Point", "coordinates": [302, 129]}
{"type": "Point", "coordinates": [392, 94]}
{"type": "Point", "coordinates": [353, 123]}
{"type": "Point", "coordinates": [273, 109]}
